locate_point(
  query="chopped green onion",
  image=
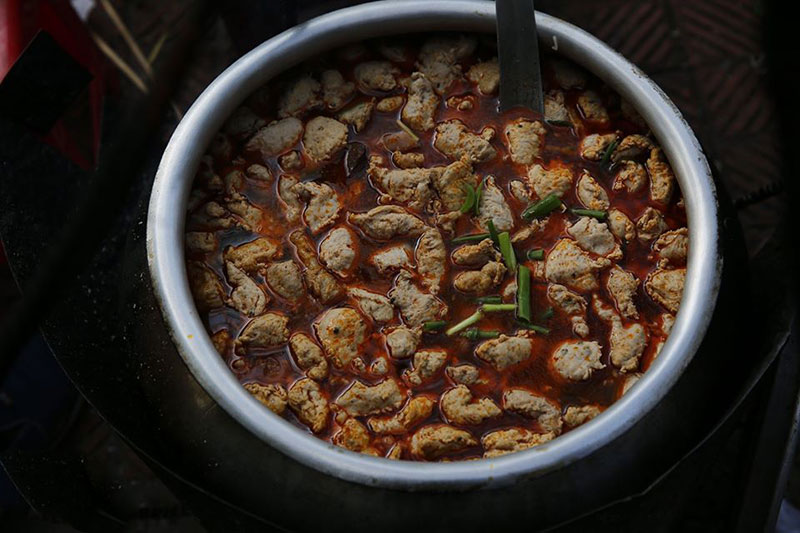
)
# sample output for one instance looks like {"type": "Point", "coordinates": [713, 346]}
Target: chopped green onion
{"type": "Point", "coordinates": [407, 130]}
{"type": "Point", "coordinates": [470, 238]}
{"type": "Point", "coordinates": [491, 308]}
{"type": "Point", "coordinates": [489, 300]}
{"type": "Point", "coordinates": [469, 201]}
{"type": "Point", "coordinates": [475, 334]}
{"type": "Point", "coordinates": [608, 152]}
{"type": "Point", "coordinates": [536, 255]}
{"type": "Point", "coordinates": [535, 328]}
{"type": "Point", "coordinates": [524, 293]}
{"type": "Point", "coordinates": [546, 314]}
{"type": "Point", "coordinates": [507, 250]}
{"type": "Point", "coordinates": [564, 123]}
{"type": "Point", "coordinates": [464, 324]}
{"type": "Point", "coordinates": [599, 215]}
{"type": "Point", "coordinates": [542, 207]}
{"type": "Point", "coordinates": [434, 325]}
{"type": "Point", "coordinates": [478, 195]}
{"type": "Point", "coordinates": [493, 232]}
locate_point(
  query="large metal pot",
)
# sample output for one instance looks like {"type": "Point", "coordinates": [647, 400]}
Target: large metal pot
{"type": "Point", "coordinates": [180, 162]}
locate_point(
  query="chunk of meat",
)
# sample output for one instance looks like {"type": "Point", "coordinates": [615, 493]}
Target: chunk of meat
{"type": "Point", "coordinates": [630, 381]}
{"type": "Point", "coordinates": [434, 441]}
{"type": "Point", "coordinates": [426, 365]}
{"type": "Point", "coordinates": [399, 141]}
{"type": "Point", "coordinates": [259, 173]}
{"type": "Point", "coordinates": [591, 105]}
{"type": "Point", "coordinates": [274, 397]}
{"type": "Point", "coordinates": [650, 225]}
{"type": "Point", "coordinates": [520, 191]}
{"type": "Point", "coordinates": [275, 138]}
{"type": "Point", "coordinates": [451, 183]}
{"type": "Point", "coordinates": [341, 331]}
{"type": "Point", "coordinates": [493, 206]}
{"type": "Point", "coordinates": [353, 436]}
{"type": "Point", "coordinates": [376, 75]}
{"type": "Point", "coordinates": [631, 177]}
{"type": "Point", "coordinates": [622, 285]}
{"type": "Point", "coordinates": [525, 140]}
{"type": "Point", "coordinates": [243, 123]}
{"type": "Point", "coordinates": [205, 286]}
{"type": "Point", "coordinates": [620, 225]}
{"type": "Point", "coordinates": [662, 179]}
{"type": "Point", "coordinates": [594, 236]}
{"type": "Point", "coordinates": [546, 413]}
{"type": "Point", "coordinates": [364, 400]}
{"type": "Point", "coordinates": [626, 343]}
{"type": "Point", "coordinates": [301, 95]}
{"type": "Point", "coordinates": [480, 281]}
{"type": "Point", "coordinates": [336, 92]}
{"type": "Point", "coordinates": [286, 280]}
{"type": "Point", "coordinates": [211, 216]}
{"type": "Point", "coordinates": [665, 286]}
{"type": "Point", "coordinates": [357, 115]}
{"type": "Point", "coordinates": [247, 297]}
{"type": "Point", "coordinates": [476, 255]}
{"type": "Point", "coordinates": [337, 251]}
{"type": "Point", "coordinates": [322, 204]}
{"type": "Point", "coordinates": [322, 284]}
{"type": "Point", "coordinates": [416, 306]}
{"type": "Point", "coordinates": [221, 341]}
{"type": "Point", "coordinates": [631, 147]}
{"type": "Point", "coordinates": [673, 246]}
{"type": "Point", "coordinates": [464, 102]}
{"type": "Point", "coordinates": [544, 182]}
{"type": "Point", "coordinates": [577, 360]}
{"type": "Point", "coordinates": [264, 331]}
{"type": "Point", "coordinates": [291, 160]}
{"type": "Point", "coordinates": [579, 415]}
{"type": "Point", "coordinates": [486, 75]}
{"type": "Point", "coordinates": [591, 194]}
{"type": "Point", "coordinates": [505, 351]}
{"type": "Point", "coordinates": [389, 104]}
{"type": "Point", "coordinates": [374, 305]}
{"type": "Point", "coordinates": [555, 109]}
{"type": "Point", "coordinates": [408, 160]}
{"type": "Point", "coordinates": [505, 441]}
{"type": "Point", "coordinates": [292, 207]}
{"type": "Point", "coordinates": [421, 104]}
{"type": "Point", "coordinates": [390, 259]}
{"type": "Point", "coordinates": [386, 222]}
{"type": "Point", "coordinates": [571, 304]}
{"type": "Point", "coordinates": [569, 265]}
{"type": "Point", "coordinates": [438, 59]}
{"type": "Point", "coordinates": [250, 215]}
{"type": "Point", "coordinates": [593, 147]}
{"type": "Point", "coordinates": [200, 242]}
{"type": "Point", "coordinates": [413, 412]}
{"type": "Point", "coordinates": [309, 404]}
{"type": "Point", "coordinates": [458, 405]}
{"type": "Point", "coordinates": [402, 342]}
{"type": "Point", "coordinates": [234, 181]}
{"type": "Point", "coordinates": [455, 141]}
{"type": "Point", "coordinates": [431, 256]}
{"type": "Point", "coordinates": [324, 137]}
{"type": "Point", "coordinates": [568, 75]}
{"type": "Point", "coordinates": [308, 356]}
{"type": "Point", "coordinates": [464, 374]}
{"type": "Point", "coordinates": [411, 186]}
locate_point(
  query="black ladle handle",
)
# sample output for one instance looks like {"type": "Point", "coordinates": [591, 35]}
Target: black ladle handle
{"type": "Point", "coordinates": [518, 51]}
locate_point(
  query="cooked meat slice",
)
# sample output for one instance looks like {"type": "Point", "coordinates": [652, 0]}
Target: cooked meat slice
{"type": "Point", "coordinates": [291, 160]}
{"type": "Point", "coordinates": [544, 182]}
{"type": "Point", "coordinates": [389, 104]}
{"type": "Point", "coordinates": [577, 360]}
{"type": "Point", "coordinates": [390, 259]}
{"type": "Point", "coordinates": [308, 356]}
{"type": "Point", "coordinates": [337, 251]}
{"type": "Point", "coordinates": [247, 297]}
{"type": "Point", "coordinates": [205, 285]}
{"type": "Point", "coordinates": [434, 441]}
{"type": "Point", "coordinates": [667, 322]}
{"type": "Point", "coordinates": [622, 285]}
{"type": "Point", "coordinates": [525, 140]}
{"type": "Point", "coordinates": [520, 191]}
{"type": "Point", "coordinates": [285, 279]}
{"type": "Point", "coordinates": [454, 140]}
{"type": "Point", "coordinates": [630, 381]}
{"type": "Point", "coordinates": [301, 95]}
{"type": "Point", "coordinates": [336, 92]}
{"type": "Point", "coordinates": [431, 256]}
{"type": "Point", "coordinates": [464, 102]}
{"type": "Point", "coordinates": [376, 75]}
{"type": "Point", "coordinates": [665, 287]}
{"type": "Point", "coordinates": [200, 242]}
{"type": "Point", "coordinates": [374, 305]}
{"type": "Point", "coordinates": [234, 181]}
{"type": "Point", "coordinates": [486, 75]}
{"type": "Point", "coordinates": [363, 400]}
{"type": "Point", "coordinates": [438, 59]}
{"type": "Point", "coordinates": [264, 331]}
{"type": "Point", "coordinates": [416, 306]}
{"type": "Point", "coordinates": [458, 405]}
{"type": "Point", "coordinates": [555, 109]}
{"type": "Point", "coordinates": [357, 115]}
{"type": "Point", "coordinates": [275, 138]}
{"type": "Point", "coordinates": [528, 231]}
{"type": "Point", "coordinates": [480, 281]}
{"type": "Point", "coordinates": [650, 225]}
{"type": "Point", "coordinates": [620, 225]}
{"type": "Point", "coordinates": [243, 123]}
{"type": "Point", "coordinates": [673, 246]}
{"type": "Point", "coordinates": [476, 255]}
{"type": "Point", "coordinates": [662, 180]}
{"type": "Point", "coordinates": [593, 147]}
{"type": "Point", "coordinates": [402, 341]}
{"type": "Point", "coordinates": [323, 204]}
{"type": "Point", "coordinates": [324, 137]}
{"type": "Point", "coordinates": [593, 236]}
{"type": "Point", "coordinates": [525, 403]}
{"type": "Point", "coordinates": [591, 194]}
{"type": "Point", "coordinates": [591, 105]}
{"type": "Point", "coordinates": [493, 206]}
{"type": "Point", "coordinates": [571, 304]}
{"type": "Point", "coordinates": [569, 265]}
{"type": "Point", "coordinates": [292, 206]}
{"type": "Point", "coordinates": [427, 364]}
{"type": "Point", "coordinates": [386, 222]}
{"type": "Point", "coordinates": [221, 341]}
{"type": "Point", "coordinates": [379, 366]}
{"type": "Point", "coordinates": [568, 75]}
{"type": "Point", "coordinates": [464, 374]}
{"type": "Point", "coordinates": [408, 160]}
{"type": "Point", "coordinates": [505, 351]}
{"type": "Point", "coordinates": [631, 177]}
{"type": "Point", "coordinates": [421, 104]}
{"type": "Point", "coordinates": [259, 173]}
{"type": "Point", "coordinates": [250, 215]}
{"type": "Point", "coordinates": [631, 147]}
{"type": "Point", "coordinates": [451, 183]}
{"type": "Point", "coordinates": [212, 216]}
{"type": "Point", "coordinates": [413, 412]}
{"type": "Point", "coordinates": [341, 331]}
{"type": "Point", "coordinates": [274, 397]}
{"type": "Point", "coordinates": [322, 284]}
{"type": "Point", "coordinates": [399, 140]}
{"type": "Point", "coordinates": [576, 416]}
{"type": "Point", "coordinates": [626, 342]}
{"type": "Point", "coordinates": [353, 436]}
{"type": "Point", "coordinates": [505, 441]}
{"type": "Point", "coordinates": [309, 404]}
{"type": "Point", "coordinates": [411, 186]}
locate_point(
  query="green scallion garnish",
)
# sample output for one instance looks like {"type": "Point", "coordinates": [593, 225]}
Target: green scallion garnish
{"type": "Point", "coordinates": [507, 251]}
{"type": "Point", "coordinates": [475, 334]}
{"type": "Point", "coordinates": [469, 201]}
{"type": "Point", "coordinates": [594, 213]}
{"type": "Point", "coordinates": [489, 300]}
{"type": "Point", "coordinates": [542, 208]}
{"type": "Point", "coordinates": [536, 255]}
{"type": "Point", "coordinates": [524, 293]}
{"type": "Point", "coordinates": [434, 325]}
{"type": "Point", "coordinates": [608, 152]}
{"type": "Point", "coordinates": [470, 238]}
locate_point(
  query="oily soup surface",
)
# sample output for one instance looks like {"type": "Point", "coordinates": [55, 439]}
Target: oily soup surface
{"type": "Point", "coordinates": [326, 250]}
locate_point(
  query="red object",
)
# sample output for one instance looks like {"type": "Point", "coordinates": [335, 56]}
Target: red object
{"type": "Point", "coordinates": [77, 133]}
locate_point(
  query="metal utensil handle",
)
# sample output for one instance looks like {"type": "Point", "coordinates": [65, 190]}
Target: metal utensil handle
{"type": "Point", "coordinates": [518, 50]}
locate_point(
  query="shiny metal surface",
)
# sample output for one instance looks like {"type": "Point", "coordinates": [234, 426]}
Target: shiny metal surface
{"type": "Point", "coordinates": [180, 161]}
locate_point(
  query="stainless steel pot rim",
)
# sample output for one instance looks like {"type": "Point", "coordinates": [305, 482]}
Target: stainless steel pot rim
{"type": "Point", "coordinates": [181, 159]}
